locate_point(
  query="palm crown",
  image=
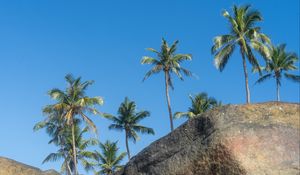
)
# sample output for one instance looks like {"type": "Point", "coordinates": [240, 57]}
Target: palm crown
{"type": "Point", "coordinates": [74, 101]}
{"type": "Point", "coordinates": [280, 62]}
{"type": "Point", "coordinates": [128, 120]}
{"type": "Point", "coordinates": [167, 61]}
{"type": "Point", "coordinates": [108, 160]}
{"type": "Point", "coordinates": [243, 33]}
{"type": "Point", "coordinates": [200, 103]}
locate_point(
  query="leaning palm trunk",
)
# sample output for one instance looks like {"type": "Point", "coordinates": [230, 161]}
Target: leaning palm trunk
{"type": "Point", "coordinates": [168, 99]}
{"type": "Point", "coordinates": [74, 150]}
{"type": "Point", "coordinates": [246, 77]}
{"type": "Point", "coordinates": [69, 171]}
{"type": "Point", "coordinates": [127, 146]}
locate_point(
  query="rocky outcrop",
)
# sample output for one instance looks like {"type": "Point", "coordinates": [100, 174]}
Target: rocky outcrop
{"type": "Point", "coordinates": [11, 167]}
{"type": "Point", "coordinates": [257, 139]}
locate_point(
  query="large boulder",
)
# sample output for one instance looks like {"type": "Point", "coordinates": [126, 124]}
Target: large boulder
{"type": "Point", "coordinates": [11, 167]}
{"type": "Point", "coordinates": [257, 139]}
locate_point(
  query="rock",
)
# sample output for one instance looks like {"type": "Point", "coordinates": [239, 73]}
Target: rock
{"type": "Point", "coordinates": [11, 167]}
{"type": "Point", "coordinates": [257, 139]}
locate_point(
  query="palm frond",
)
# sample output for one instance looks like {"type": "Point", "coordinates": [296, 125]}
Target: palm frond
{"type": "Point", "coordinates": [231, 20]}
{"type": "Point", "coordinates": [153, 50]}
{"type": "Point", "coordinates": [119, 158]}
{"type": "Point", "coordinates": [90, 101]}
{"type": "Point", "coordinates": [39, 125]}
{"type": "Point", "coordinates": [178, 58]}
{"type": "Point", "coordinates": [98, 156]}
{"type": "Point", "coordinates": [149, 60]}
{"type": "Point", "coordinates": [261, 48]}
{"type": "Point", "coordinates": [263, 78]}
{"type": "Point", "coordinates": [57, 94]}
{"type": "Point", "coordinates": [156, 69]}
{"type": "Point", "coordinates": [173, 47]}
{"type": "Point", "coordinates": [295, 78]}
{"type": "Point", "coordinates": [186, 72]}
{"type": "Point", "coordinates": [143, 129]}
{"type": "Point", "coordinates": [220, 41]}
{"type": "Point", "coordinates": [251, 58]}
{"type": "Point", "coordinates": [52, 157]}
{"type": "Point", "coordinates": [141, 115]}
{"type": "Point", "coordinates": [89, 122]}
{"type": "Point", "coordinates": [178, 115]}
{"type": "Point", "coordinates": [176, 71]}
{"type": "Point", "coordinates": [70, 79]}
{"type": "Point", "coordinates": [132, 135]}
{"type": "Point", "coordinates": [252, 17]}
{"type": "Point", "coordinates": [112, 118]}
{"type": "Point", "coordinates": [87, 165]}
{"type": "Point", "coordinates": [116, 127]}
{"type": "Point", "coordinates": [223, 55]}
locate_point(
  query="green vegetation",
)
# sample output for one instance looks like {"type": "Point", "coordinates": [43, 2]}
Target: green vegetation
{"type": "Point", "coordinates": [62, 137]}
{"type": "Point", "coordinates": [108, 160]}
{"type": "Point", "coordinates": [278, 63]}
{"type": "Point", "coordinates": [72, 104]}
{"type": "Point", "coordinates": [56, 128]}
{"type": "Point", "coordinates": [82, 154]}
{"type": "Point", "coordinates": [65, 117]}
{"type": "Point", "coordinates": [128, 120]}
{"type": "Point", "coordinates": [200, 104]}
{"type": "Point", "coordinates": [167, 62]}
{"type": "Point", "coordinates": [245, 34]}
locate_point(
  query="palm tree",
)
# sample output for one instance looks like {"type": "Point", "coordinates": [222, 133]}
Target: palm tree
{"type": "Point", "coordinates": [245, 34]}
{"type": "Point", "coordinates": [200, 104]}
{"type": "Point", "coordinates": [55, 128]}
{"type": "Point", "coordinates": [108, 160]}
{"type": "Point", "coordinates": [280, 62]}
{"type": "Point", "coordinates": [128, 120]}
{"type": "Point", "coordinates": [74, 102]}
{"type": "Point", "coordinates": [168, 62]}
{"type": "Point", "coordinates": [66, 151]}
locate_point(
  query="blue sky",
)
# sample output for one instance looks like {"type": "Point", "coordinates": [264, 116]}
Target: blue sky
{"type": "Point", "coordinates": [42, 41]}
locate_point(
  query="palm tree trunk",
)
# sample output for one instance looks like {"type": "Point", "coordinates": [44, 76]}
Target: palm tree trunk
{"type": "Point", "coordinates": [74, 150]}
{"type": "Point", "coordinates": [246, 77]}
{"type": "Point", "coordinates": [69, 171]}
{"type": "Point", "coordinates": [168, 99]}
{"type": "Point", "coordinates": [127, 147]}
{"type": "Point", "coordinates": [277, 89]}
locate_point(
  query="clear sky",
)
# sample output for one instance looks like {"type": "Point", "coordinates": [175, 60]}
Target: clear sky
{"type": "Point", "coordinates": [42, 41]}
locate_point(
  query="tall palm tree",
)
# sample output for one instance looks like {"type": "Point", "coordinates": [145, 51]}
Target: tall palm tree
{"type": "Point", "coordinates": [82, 154]}
{"type": "Point", "coordinates": [280, 62]}
{"type": "Point", "coordinates": [74, 102]}
{"type": "Point", "coordinates": [200, 104]}
{"type": "Point", "coordinates": [108, 160]}
{"type": "Point", "coordinates": [245, 34]}
{"type": "Point", "coordinates": [128, 120]}
{"type": "Point", "coordinates": [168, 62]}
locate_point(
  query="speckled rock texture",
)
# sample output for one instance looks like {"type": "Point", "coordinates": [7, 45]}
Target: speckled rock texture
{"type": "Point", "coordinates": [11, 167]}
{"type": "Point", "coordinates": [256, 139]}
